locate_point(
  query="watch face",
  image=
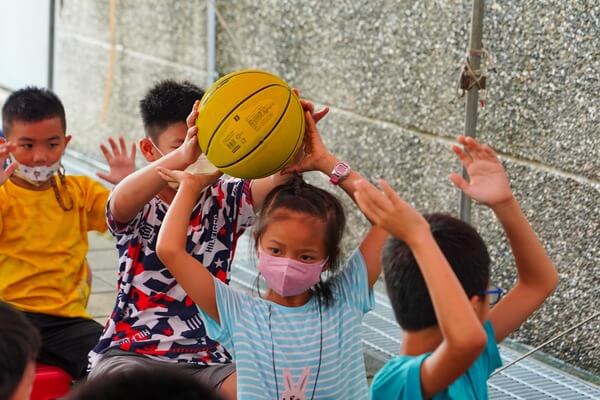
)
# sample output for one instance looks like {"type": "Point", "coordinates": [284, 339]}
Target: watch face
{"type": "Point", "coordinates": [341, 169]}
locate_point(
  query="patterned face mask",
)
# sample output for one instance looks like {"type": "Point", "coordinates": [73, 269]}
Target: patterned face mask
{"type": "Point", "coordinates": [36, 175]}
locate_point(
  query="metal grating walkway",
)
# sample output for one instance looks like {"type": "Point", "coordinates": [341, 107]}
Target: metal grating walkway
{"type": "Point", "coordinates": [527, 380]}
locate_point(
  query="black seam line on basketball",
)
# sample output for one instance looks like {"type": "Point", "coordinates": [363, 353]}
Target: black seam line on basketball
{"type": "Point", "coordinates": [268, 134]}
{"type": "Point", "coordinates": [230, 112]}
{"type": "Point", "coordinates": [209, 94]}
{"type": "Point", "coordinates": [300, 139]}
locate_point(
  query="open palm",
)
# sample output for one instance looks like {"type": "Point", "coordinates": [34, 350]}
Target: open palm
{"type": "Point", "coordinates": [488, 183]}
{"type": "Point", "coordinates": [120, 162]}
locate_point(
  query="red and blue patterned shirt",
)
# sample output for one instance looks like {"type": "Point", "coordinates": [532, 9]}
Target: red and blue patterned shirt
{"type": "Point", "coordinates": [153, 316]}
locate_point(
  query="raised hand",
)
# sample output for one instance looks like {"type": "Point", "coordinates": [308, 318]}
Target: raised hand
{"type": "Point", "coordinates": [190, 150]}
{"type": "Point", "coordinates": [387, 210]}
{"type": "Point", "coordinates": [488, 183]}
{"type": "Point", "coordinates": [308, 105]}
{"type": "Point", "coordinates": [5, 149]}
{"type": "Point", "coordinates": [313, 155]}
{"type": "Point", "coordinates": [120, 162]}
{"type": "Point", "coordinates": [198, 182]}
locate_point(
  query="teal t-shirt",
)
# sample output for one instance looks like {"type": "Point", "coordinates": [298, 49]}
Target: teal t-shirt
{"type": "Point", "coordinates": [400, 378]}
{"type": "Point", "coordinates": [293, 352]}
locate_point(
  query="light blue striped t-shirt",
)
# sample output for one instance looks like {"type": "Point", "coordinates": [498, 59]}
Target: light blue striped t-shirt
{"type": "Point", "coordinates": [284, 360]}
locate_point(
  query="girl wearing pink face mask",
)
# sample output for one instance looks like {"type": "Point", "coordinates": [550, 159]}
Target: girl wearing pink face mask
{"type": "Point", "coordinates": [301, 337]}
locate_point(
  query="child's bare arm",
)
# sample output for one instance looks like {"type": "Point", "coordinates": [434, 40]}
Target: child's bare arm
{"type": "Point", "coordinates": [136, 190]}
{"type": "Point", "coordinates": [318, 158]}
{"type": "Point", "coordinates": [537, 276]}
{"type": "Point", "coordinates": [120, 162]}
{"type": "Point", "coordinates": [463, 335]}
{"type": "Point", "coordinates": [190, 273]}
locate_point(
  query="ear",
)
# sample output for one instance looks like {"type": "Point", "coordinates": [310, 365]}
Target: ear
{"type": "Point", "coordinates": [67, 139]}
{"type": "Point", "coordinates": [479, 306]}
{"type": "Point", "coordinates": [148, 150]}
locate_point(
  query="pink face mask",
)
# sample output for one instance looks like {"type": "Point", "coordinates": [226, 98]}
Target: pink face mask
{"type": "Point", "coordinates": [289, 277]}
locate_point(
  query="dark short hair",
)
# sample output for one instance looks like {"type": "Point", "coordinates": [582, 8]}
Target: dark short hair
{"type": "Point", "coordinates": [166, 103]}
{"type": "Point", "coordinates": [142, 383]}
{"type": "Point", "coordinates": [299, 196]}
{"type": "Point", "coordinates": [19, 345]}
{"type": "Point", "coordinates": [466, 253]}
{"type": "Point", "coordinates": [32, 104]}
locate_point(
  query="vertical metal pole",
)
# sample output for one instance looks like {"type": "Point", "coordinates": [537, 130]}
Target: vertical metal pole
{"type": "Point", "coordinates": [211, 45]}
{"type": "Point", "coordinates": [473, 94]}
{"type": "Point", "coordinates": [51, 46]}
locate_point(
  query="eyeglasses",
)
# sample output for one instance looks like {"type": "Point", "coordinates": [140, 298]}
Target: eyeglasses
{"type": "Point", "coordinates": [495, 294]}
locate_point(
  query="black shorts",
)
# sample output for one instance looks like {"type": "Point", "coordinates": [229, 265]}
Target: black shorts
{"type": "Point", "coordinates": [118, 361]}
{"type": "Point", "coordinates": [66, 342]}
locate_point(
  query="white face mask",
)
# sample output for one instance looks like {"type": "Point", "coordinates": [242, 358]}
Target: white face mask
{"type": "Point", "coordinates": [199, 167]}
{"type": "Point", "coordinates": [36, 175]}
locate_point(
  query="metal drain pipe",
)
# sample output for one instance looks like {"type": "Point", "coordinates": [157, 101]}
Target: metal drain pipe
{"type": "Point", "coordinates": [211, 42]}
{"type": "Point", "coordinates": [474, 58]}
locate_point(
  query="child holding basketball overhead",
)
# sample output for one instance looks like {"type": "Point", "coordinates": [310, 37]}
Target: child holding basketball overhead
{"type": "Point", "coordinates": [302, 338]}
{"type": "Point", "coordinates": [154, 321]}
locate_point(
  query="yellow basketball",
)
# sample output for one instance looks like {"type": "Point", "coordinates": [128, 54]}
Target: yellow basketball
{"type": "Point", "coordinates": [250, 124]}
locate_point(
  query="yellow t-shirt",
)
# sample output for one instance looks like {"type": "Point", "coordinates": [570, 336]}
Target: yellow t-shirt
{"type": "Point", "coordinates": [43, 248]}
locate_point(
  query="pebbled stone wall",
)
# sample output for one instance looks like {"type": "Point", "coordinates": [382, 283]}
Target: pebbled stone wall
{"type": "Point", "coordinates": [388, 70]}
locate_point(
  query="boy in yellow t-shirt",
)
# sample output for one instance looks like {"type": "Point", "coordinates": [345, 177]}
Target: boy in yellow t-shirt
{"type": "Point", "coordinates": [44, 220]}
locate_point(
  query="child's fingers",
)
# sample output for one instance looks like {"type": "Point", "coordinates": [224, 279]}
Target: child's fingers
{"type": "Point", "coordinates": [106, 153]}
{"type": "Point", "coordinates": [166, 174]}
{"type": "Point", "coordinates": [320, 114]}
{"type": "Point", "coordinates": [10, 169]}
{"type": "Point", "coordinates": [390, 193]}
{"type": "Point", "coordinates": [307, 106]}
{"type": "Point", "coordinates": [464, 157]}
{"type": "Point", "coordinates": [133, 150]}
{"type": "Point", "coordinates": [379, 200]}
{"type": "Point", "coordinates": [191, 118]}
{"type": "Point", "coordinates": [113, 146]}
{"type": "Point", "coordinates": [311, 127]}
{"type": "Point", "coordinates": [489, 152]}
{"type": "Point", "coordinates": [459, 181]}
{"type": "Point", "coordinates": [103, 175]}
{"type": "Point", "coordinates": [123, 145]}
{"type": "Point", "coordinates": [474, 148]}
{"type": "Point", "coordinates": [191, 132]}
{"type": "Point", "coordinates": [166, 177]}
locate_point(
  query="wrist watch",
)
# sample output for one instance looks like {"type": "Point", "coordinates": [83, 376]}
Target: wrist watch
{"type": "Point", "coordinates": [340, 171]}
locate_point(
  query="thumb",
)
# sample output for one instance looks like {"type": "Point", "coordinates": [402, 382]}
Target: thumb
{"type": "Point", "coordinates": [320, 114]}
{"type": "Point", "coordinates": [11, 168]}
{"type": "Point", "coordinates": [311, 127]}
{"type": "Point", "coordinates": [104, 176]}
{"type": "Point", "coordinates": [459, 181]}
